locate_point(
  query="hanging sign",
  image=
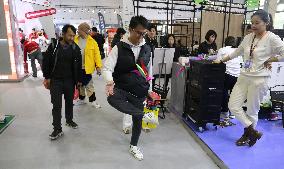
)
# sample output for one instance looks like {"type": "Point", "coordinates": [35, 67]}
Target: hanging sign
{"type": "Point", "coordinates": [40, 13]}
{"type": "Point", "coordinates": [252, 4]}
{"type": "Point", "coordinates": [119, 20]}
{"type": "Point", "coordinates": [39, 2]}
{"type": "Point", "coordinates": [198, 1]}
{"type": "Point", "coordinates": [101, 22]}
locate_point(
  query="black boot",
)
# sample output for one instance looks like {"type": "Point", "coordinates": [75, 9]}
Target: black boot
{"type": "Point", "coordinates": [253, 135]}
{"type": "Point", "coordinates": [81, 97]}
{"type": "Point", "coordinates": [92, 98]}
{"type": "Point", "coordinates": [244, 139]}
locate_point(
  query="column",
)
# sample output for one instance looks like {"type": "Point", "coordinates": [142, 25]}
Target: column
{"type": "Point", "coordinates": [11, 68]}
{"type": "Point", "coordinates": [271, 6]}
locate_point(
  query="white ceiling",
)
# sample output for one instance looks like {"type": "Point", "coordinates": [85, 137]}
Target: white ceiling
{"type": "Point", "coordinates": [68, 10]}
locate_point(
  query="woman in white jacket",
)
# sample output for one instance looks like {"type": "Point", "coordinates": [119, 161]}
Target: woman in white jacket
{"type": "Point", "coordinates": [259, 49]}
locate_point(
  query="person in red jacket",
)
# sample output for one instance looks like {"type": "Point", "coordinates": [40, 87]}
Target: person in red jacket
{"type": "Point", "coordinates": [33, 35]}
{"type": "Point", "coordinates": [33, 50]}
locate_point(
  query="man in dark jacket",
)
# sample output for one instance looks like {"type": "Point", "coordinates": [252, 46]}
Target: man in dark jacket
{"type": "Point", "coordinates": [99, 39]}
{"type": "Point", "coordinates": [118, 36]}
{"type": "Point", "coordinates": [61, 70]}
{"type": "Point", "coordinates": [150, 38]}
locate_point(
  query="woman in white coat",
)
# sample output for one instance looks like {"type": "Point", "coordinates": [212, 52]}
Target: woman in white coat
{"type": "Point", "coordinates": [259, 49]}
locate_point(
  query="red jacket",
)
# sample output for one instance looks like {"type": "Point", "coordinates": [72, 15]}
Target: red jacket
{"type": "Point", "coordinates": [33, 36]}
{"type": "Point", "coordinates": [29, 47]}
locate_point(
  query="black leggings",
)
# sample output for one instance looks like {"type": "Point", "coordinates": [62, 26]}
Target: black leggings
{"type": "Point", "coordinates": [129, 104]}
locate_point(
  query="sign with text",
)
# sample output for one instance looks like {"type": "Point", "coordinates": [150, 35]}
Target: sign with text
{"type": "Point", "coordinates": [40, 13]}
{"type": "Point", "coordinates": [101, 22]}
{"type": "Point", "coordinates": [119, 21]}
{"type": "Point", "coordinates": [39, 2]}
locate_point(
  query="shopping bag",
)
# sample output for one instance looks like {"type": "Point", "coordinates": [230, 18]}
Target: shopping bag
{"type": "Point", "coordinates": [76, 94]}
{"type": "Point", "coordinates": [150, 125]}
{"type": "Point", "coordinates": [152, 102]}
{"type": "Point", "coordinates": [153, 99]}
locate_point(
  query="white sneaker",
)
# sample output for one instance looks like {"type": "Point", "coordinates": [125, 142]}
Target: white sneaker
{"type": "Point", "coordinates": [96, 105]}
{"type": "Point", "coordinates": [126, 130]}
{"type": "Point", "coordinates": [80, 102]}
{"type": "Point", "coordinates": [135, 151]}
{"type": "Point", "coordinates": [150, 118]}
{"type": "Point", "coordinates": [232, 116]}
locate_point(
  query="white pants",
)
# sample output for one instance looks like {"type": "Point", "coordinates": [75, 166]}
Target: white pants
{"type": "Point", "coordinates": [89, 89]}
{"type": "Point", "coordinates": [252, 89]}
{"type": "Point", "coordinates": [127, 121]}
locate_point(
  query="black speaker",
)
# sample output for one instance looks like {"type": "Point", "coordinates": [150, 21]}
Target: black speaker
{"type": "Point", "coordinates": [204, 95]}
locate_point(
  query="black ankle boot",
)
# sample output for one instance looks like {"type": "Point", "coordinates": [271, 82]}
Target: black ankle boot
{"type": "Point", "coordinates": [81, 97]}
{"type": "Point", "coordinates": [253, 135]}
{"type": "Point", "coordinates": [244, 139]}
{"type": "Point", "coordinates": [92, 98]}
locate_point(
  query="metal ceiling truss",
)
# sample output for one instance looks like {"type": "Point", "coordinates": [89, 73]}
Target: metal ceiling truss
{"type": "Point", "coordinates": [80, 6]}
{"type": "Point", "coordinates": [222, 6]}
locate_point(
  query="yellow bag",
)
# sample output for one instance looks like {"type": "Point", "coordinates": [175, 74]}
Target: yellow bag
{"type": "Point", "coordinates": [149, 125]}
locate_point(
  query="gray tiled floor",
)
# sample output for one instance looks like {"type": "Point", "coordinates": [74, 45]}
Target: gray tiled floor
{"type": "Point", "coordinates": [98, 143]}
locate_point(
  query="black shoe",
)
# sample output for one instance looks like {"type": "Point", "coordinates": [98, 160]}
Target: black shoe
{"type": "Point", "coordinates": [81, 97]}
{"type": "Point", "coordinates": [72, 124]}
{"type": "Point", "coordinates": [244, 140]}
{"type": "Point", "coordinates": [35, 76]}
{"type": "Point", "coordinates": [92, 98]}
{"type": "Point", "coordinates": [254, 135]}
{"type": "Point", "coordinates": [55, 134]}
